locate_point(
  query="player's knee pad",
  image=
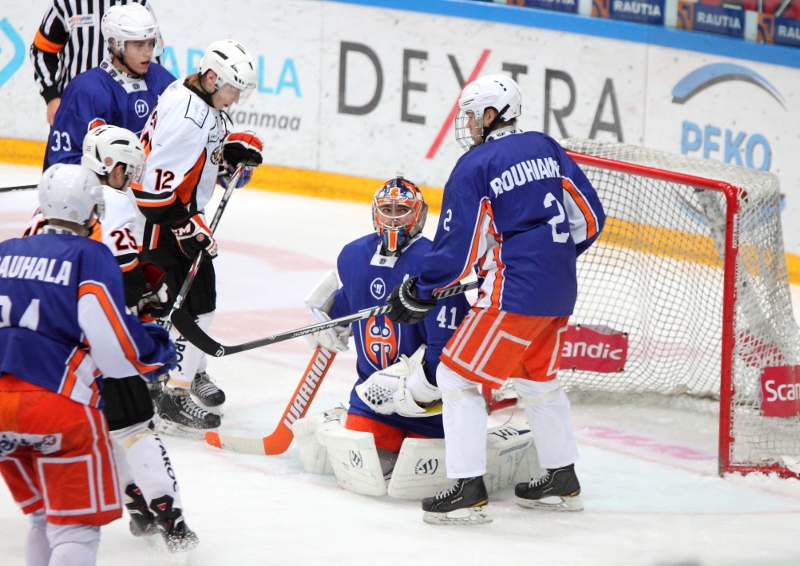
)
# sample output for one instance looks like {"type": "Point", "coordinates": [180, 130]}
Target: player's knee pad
{"type": "Point", "coordinates": [535, 393]}
{"type": "Point", "coordinates": [128, 436]}
{"type": "Point", "coordinates": [85, 535]}
{"type": "Point", "coordinates": [454, 386]}
{"type": "Point", "coordinates": [313, 453]}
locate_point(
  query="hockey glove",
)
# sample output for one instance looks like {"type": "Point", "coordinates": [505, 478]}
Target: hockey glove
{"type": "Point", "coordinates": [415, 395]}
{"type": "Point", "coordinates": [155, 301]}
{"type": "Point", "coordinates": [169, 357]}
{"type": "Point", "coordinates": [406, 308]}
{"type": "Point", "coordinates": [242, 148]}
{"type": "Point", "coordinates": [226, 174]}
{"type": "Point", "coordinates": [194, 237]}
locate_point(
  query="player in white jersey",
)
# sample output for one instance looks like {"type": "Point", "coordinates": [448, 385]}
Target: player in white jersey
{"type": "Point", "coordinates": [187, 148]}
{"type": "Point", "coordinates": [145, 471]}
{"type": "Point", "coordinates": [65, 322]}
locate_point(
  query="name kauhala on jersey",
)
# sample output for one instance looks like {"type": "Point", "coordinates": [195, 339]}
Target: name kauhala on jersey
{"type": "Point", "coordinates": [525, 172]}
{"type": "Point", "coordinates": [37, 268]}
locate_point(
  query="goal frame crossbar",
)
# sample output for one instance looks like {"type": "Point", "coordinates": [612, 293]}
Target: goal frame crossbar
{"type": "Point", "coordinates": [727, 388]}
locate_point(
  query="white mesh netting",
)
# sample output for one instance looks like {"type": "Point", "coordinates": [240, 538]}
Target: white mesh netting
{"type": "Point", "coordinates": [656, 273]}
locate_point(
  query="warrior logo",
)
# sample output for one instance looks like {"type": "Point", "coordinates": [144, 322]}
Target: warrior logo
{"type": "Point", "coordinates": [356, 460]}
{"type": "Point", "coordinates": [426, 467]}
{"type": "Point", "coordinates": [380, 341]}
{"type": "Point", "coordinates": [377, 288]}
{"type": "Point", "coordinates": [141, 108]}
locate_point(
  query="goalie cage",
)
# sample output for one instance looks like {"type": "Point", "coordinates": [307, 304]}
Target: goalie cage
{"type": "Point", "coordinates": [691, 267]}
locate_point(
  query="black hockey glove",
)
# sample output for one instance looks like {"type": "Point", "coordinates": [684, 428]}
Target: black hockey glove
{"type": "Point", "coordinates": [406, 308]}
{"type": "Point", "coordinates": [242, 148]}
{"type": "Point", "coordinates": [194, 237]}
{"type": "Point", "coordinates": [155, 301]}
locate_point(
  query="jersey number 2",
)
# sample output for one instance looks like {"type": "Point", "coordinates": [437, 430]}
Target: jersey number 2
{"type": "Point", "coordinates": [558, 237]}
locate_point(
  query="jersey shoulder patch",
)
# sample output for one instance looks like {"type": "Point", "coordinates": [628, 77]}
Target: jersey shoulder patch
{"type": "Point", "coordinates": [196, 111]}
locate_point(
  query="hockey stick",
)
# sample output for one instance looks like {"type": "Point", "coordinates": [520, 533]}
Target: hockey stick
{"type": "Point", "coordinates": [196, 263]}
{"type": "Point", "coordinates": [187, 326]}
{"type": "Point", "coordinates": [18, 188]}
{"type": "Point", "coordinates": [281, 438]}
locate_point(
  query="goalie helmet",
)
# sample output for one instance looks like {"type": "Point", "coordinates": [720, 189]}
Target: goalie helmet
{"type": "Point", "coordinates": [70, 192]}
{"type": "Point", "coordinates": [105, 146]}
{"type": "Point", "coordinates": [132, 22]}
{"type": "Point", "coordinates": [398, 214]}
{"type": "Point", "coordinates": [492, 91]}
{"type": "Point", "coordinates": [232, 63]}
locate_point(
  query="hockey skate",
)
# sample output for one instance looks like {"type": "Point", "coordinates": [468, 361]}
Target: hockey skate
{"type": "Point", "coordinates": [173, 528]}
{"type": "Point", "coordinates": [142, 520]}
{"type": "Point", "coordinates": [179, 415]}
{"type": "Point", "coordinates": [206, 391]}
{"type": "Point", "coordinates": [557, 490]}
{"type": "Point", "coordinates": [463, 503]}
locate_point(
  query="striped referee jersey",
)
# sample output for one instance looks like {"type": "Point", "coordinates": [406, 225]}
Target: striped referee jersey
{"type": "Point", "coordinates": [69, 42]}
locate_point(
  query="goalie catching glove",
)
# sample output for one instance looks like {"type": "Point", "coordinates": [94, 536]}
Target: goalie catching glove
{"type": "Point", "coordinates": [320, 303]}
{"type": "Point", "coordinates": [194, 237]}
{"type": "Point", "coordinates": [402, 388]}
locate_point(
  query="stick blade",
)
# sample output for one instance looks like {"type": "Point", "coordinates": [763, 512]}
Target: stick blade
{"type": "Point", "coordinates": [186, 325]}
{"type": "Point", "coordinates": [241, 444]}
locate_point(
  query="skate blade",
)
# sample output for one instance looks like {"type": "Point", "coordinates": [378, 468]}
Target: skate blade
{"type": "Point", "coordinates": [553, 503]}
{"type": "Point", "coordinates": [466, 516]}
{"type": "Point", "coordinates": [174, 429]}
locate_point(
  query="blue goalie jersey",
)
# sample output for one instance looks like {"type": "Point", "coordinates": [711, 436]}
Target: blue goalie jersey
{"type": "Point", "coordinates": [103, 95]}
{"type": "Point", "coordinates": [367, 279]}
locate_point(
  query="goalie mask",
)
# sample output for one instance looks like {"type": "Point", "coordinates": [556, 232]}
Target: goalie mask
{"type": "Point", "coordinates": [492, 91]}
{"type": "Point", "coordinates": [398, 214]}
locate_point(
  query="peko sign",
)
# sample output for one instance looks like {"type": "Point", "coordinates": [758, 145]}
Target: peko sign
{"type": "Point", "coordinates": [597, 349]}
{"type": "Point", "coordinates": [780, 391]}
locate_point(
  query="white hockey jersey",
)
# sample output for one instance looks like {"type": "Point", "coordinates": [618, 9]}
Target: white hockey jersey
{"type": "Point", "coordinates": [182, 143]}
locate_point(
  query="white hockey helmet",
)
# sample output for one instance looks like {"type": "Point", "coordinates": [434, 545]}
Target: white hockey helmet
{"type": "Point", "coordinates": [105, 146]}
{"type": "Point", "coordinates": [491, 91]}
{"type": "Point", "coordinates": [232, 63]}
{"type": "Point", "coordinates": [131, 22]}
{"type": "Point", "coordinates": [71, 192]}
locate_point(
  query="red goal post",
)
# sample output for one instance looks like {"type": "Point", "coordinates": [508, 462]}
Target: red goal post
{"type": "Point", "coordinates": [691, 270]}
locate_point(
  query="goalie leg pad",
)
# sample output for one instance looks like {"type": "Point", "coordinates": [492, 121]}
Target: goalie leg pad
{"type": "Point", "coordinates": [506, 447]}
{"type": "Point", "coordinates": [354, 459]}
{"type": "Point", "coordinates": [313, 454]}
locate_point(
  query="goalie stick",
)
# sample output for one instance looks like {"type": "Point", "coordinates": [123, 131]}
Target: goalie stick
{"type": "Point", "coordinates": [196, 263]}
{"type": "Point", "coordinates": [278, 442]}
{"type": "Point", "coordinates": [187, 326]}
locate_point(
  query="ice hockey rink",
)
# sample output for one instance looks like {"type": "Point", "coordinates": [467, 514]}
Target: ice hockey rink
{"type": "Point", "coordinates": [651, 491]}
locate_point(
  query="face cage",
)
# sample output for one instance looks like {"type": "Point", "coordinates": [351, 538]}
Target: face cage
{"type": "Point", "coordinates": [464, 135]}
{"type": "Point", "coordinates": [394, 221]}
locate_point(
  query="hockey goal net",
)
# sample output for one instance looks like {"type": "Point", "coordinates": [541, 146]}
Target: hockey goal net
{"type": "Point", "coordinates": [691, 271]}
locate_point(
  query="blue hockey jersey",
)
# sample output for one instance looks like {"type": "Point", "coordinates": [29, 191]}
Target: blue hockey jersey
{"type": "Point", "coordinates": [519, 211]}
{"type": "Point", "coordinates": [367, 279]}
{"type": "Point", "coordinates": [63, 319]}
{"type": "Point", "coordinates": [103, 95]}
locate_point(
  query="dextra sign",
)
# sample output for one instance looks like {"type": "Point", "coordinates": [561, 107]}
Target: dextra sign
{"type": "Point", "coordinates": [780, 391]}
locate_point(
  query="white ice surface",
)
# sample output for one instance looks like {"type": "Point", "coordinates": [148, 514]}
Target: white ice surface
{"type": "Point", "coordinates": [650, 487]}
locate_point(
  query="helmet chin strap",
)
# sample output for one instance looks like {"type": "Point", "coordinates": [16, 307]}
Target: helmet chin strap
{"type": "Point", "coordinates": [490, 128]}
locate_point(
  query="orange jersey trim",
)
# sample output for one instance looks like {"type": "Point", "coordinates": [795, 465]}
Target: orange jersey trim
{"type": "Point", "coordinates": [586, 210]}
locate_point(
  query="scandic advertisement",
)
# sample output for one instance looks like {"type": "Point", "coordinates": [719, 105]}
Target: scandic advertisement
{"type": "Point", "coordinates": [364, 92]}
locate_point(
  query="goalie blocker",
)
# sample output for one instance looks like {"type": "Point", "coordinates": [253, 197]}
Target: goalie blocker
{"type": "Point", "coordinates": [326, 447]}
